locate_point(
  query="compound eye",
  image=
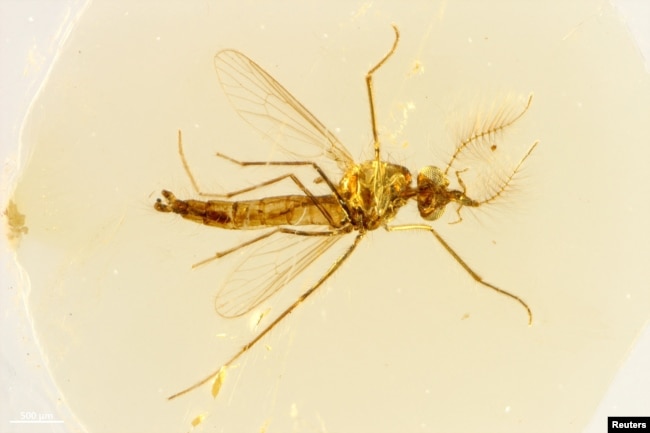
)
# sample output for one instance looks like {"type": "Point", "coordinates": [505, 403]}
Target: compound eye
{"type": "Point", "coordinates": [431, 213]}
{"type": "Point", "coordinates": [432, 177]}
{"type": "Point", "coordinates": [432, 193]}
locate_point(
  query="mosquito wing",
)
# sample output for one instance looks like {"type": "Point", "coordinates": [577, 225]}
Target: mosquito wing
{"type": "Point", "coordinates": [268, 107]}
{"type": "Point", "coordinates": [270, 266]}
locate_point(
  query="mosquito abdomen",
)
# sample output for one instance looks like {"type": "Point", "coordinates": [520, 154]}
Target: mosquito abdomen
{"type": "Point", "coordinates": [251, 214]}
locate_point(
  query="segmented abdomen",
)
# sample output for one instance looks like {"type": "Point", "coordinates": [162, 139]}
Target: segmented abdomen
{"type": "Point", "coordinates": [251, 214]}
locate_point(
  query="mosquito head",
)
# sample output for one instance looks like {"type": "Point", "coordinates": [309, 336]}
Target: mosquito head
{"type": "Point", "coordinates": [433, 193]}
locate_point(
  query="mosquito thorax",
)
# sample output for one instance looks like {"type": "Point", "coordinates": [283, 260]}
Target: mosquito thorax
{"type": "Point", "coordinates": [374, 191]}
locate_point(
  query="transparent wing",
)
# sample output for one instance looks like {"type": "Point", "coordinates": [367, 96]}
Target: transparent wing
{"type": "Point", "coordinates": [271, 265]}
{"type": "Point", "coordinates": [268, 107]}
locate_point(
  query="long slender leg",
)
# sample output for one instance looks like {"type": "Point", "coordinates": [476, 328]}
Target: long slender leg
{"type": "Point", "coordinates": [291, 176]}
{"type": "Point", "coordinates": [462, 262]}
{"type": "Point", "coordinates": [202, 193]}
{"type": "Point", "coordinates": [371, 97]}
{"type": "Point", "coordinates": [337, 263]}
{"type": "Point", "coordinates": [315, 166]}
{"type": "Point", "coordinates": [231, 194]}
{"type": "Point", "coordinates": [220, 254]}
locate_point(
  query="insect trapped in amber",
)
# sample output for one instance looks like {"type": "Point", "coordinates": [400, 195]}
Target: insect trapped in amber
{"type": "Point", "coordinates": [295, 230]}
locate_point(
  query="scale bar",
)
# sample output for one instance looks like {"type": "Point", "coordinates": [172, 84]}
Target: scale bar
{"type": "Point", "coordinates": [50, 421]}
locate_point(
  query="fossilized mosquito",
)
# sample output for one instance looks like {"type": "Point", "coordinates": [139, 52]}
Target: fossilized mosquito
{"type": "Point", "coordinates": [367, 196]}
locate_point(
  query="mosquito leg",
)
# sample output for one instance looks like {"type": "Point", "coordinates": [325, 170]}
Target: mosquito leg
{"type": "Point", "coordinates": [291, 176]}
{"type": "Point", "coordinates": [266, 183]}
{"type": "Point", "coordinates": [315, 166]}
{"type": "Point", "coordinates": [462, 262]}
{"type": "Point", "coordinates": [186, 166]}
{"type": "Point", "coordinates": [371, 97]}
{"type": "Point", "coordinates": [337, 264]}
{"type": "Point", "coordinates": [300, 185]}
{"type": "Point", "coordinates": [202, 193]}
{"type": "Point", "coordinates": [220, 254]}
